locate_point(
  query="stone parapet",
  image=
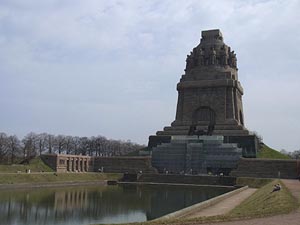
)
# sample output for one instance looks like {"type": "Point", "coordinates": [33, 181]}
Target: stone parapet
{"type": "Point", "coordinates": [188, 179]}
{"type": "Point", "coordinates": [123, 165]}
{"type": "Point", "coordinates": [267, 168]}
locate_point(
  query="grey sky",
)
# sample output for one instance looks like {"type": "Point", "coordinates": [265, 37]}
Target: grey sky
{"type": "Point", "coordinates": [89, 67]}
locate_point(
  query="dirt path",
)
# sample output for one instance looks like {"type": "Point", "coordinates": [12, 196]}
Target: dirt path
{"type": "Point", "coordinates": [286, 219]}
{"type": "Point", "coordinates": [224, 206]}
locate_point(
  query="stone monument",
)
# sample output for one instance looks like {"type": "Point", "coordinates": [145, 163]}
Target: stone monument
{"type": "Point", "coordinates": [210, 95]}
{"type": "Point", "coordinates": [196, 155]}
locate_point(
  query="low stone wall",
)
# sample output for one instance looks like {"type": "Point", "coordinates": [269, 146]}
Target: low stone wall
{"type": "Point", "coordinates": [123, 164]}
{"type": "Point", "coordinates": [79, 163]}
{"type": "Point", "coordinates": [267, 168]}
{"type": "Point", "coordinates": [188, 179]}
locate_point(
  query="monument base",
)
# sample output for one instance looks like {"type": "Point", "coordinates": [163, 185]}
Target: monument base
{"type": "Point", "coordinates": [248, 143]}
{"type": "Point", "coordinates": [196, 155]}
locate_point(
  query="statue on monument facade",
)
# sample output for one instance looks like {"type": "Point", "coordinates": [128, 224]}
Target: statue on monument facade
{"type": "Point", "coordinates": [189, 62]}
{"type": "Point", "coordinates": [232, 59]}
{"type": "Point", "coordinates": [201, 57]}
{"type": "Point", "coordinates": [217, 54]}
{"type": "Point", "coordinates": [213, 56]}
{"type": "Point", "coordinates": [224, 56]}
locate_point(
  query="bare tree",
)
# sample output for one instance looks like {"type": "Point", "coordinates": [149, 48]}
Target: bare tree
{"type": "Point", "coordinates": [14, 147]}
{"type": "Point", "coordinates": [84, 146]}
{"type": "Point", "coordinates": [3, 146]}
{"type": "Point", "coordinates": [76, 145]}
{"type": "Point", "coordinates": [41, 142]}
{"type": "Point", "coordinates": [37, 144]}
{"type": "Point", "coordinates": [50, 143]}
{"type": "Point", "coordinates": [30, 147]}
{"type": "Point", "coordinates": [68, 144]}
{"type": "Point", "coordinates": [60, 142]}
{"type": "Point", "coordinates": [295, 154]}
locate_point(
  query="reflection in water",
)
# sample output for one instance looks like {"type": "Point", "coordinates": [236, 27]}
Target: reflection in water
{"type": "Point", "coordinates": [109, 204]}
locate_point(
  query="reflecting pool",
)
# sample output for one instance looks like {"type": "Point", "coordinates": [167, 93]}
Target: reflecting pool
{"type": "Point", "coordinates": [98, 204]}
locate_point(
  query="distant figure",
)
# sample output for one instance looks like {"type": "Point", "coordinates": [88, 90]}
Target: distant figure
{"type": "Point", "coordinates": [277, 187]}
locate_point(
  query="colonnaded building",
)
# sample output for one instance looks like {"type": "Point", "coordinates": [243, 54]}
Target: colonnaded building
{"type": "Point", "coordinates": [208, 134]}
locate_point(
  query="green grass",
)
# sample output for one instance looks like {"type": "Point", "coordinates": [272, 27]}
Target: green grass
{"type": "Point", "coordinates": [35, 165]}
{"type": "Point", "coordinates": [253, 182]}
{"type": "Point", "coordinates": [56, 177]}
{"type": "Point", "coordinates": [261, 203]}
{"type": "Point", "coordinates": [266, 152]}
{"type": "Point", "coordinates": [264, 203]}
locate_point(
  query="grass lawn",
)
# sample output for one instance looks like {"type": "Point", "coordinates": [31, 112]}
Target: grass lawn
{"type": "Point", "coordinates": [15, 174]}
{"type": "Point", "coordinates": [266, 152]}
{"type": "Point", "coordinates": [263, 203]}
{"type": "Point", "coordinates": [253, 182]}
{"type": "Point", "coordinates": [35, 165]}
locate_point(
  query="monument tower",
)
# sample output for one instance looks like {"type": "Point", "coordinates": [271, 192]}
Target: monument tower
{"type": "Point", "coordinates": [209, 91]}
{"type": "Point", "coordinates": [210, 95]}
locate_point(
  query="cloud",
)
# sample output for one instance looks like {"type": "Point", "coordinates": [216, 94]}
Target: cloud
{"type": "Point", "coordinates": [114, 65]}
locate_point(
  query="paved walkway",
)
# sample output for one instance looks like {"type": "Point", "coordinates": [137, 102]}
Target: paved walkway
{"type": "Point", "coordinates": [286, 219]}
{"type": "Point", "coordinates": [224, 206]}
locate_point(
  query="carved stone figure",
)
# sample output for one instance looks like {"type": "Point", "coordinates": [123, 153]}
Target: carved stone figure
{"type": "Point", "coordinates": [224, 56]}
{"type": "Point", "coordinates": [201, 57]}
{"type": "Point", "coordinates": [189, 62]}
{"type": "Point", "coordinates": [232, 59]}
{"type": "Point", "coordinates": [213, 56]}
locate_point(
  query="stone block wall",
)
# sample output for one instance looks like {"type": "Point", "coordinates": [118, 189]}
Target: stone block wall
{"type": "Point", "coordinates": [197, 155]}
{"type": "Point", "coordinates": [123, 164]}
{"type": "Point", "coordinates": [267, 168]}
{"type": "Point", "coordinates": [188, 179]}
{"type": "Point", "coordinates": [79, 163]}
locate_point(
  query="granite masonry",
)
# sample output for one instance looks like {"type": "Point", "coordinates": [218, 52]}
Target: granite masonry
{"type": "Point", "coordinates": [210, 95]}
{"type": "Point", "coordinates": [196, 155]}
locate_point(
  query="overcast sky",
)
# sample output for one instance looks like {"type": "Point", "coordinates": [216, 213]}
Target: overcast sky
{"type": "Point", "coordinates": [92, 67]}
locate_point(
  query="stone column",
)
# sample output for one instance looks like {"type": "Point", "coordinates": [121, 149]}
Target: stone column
{"type": "Point", "coordinates": [68, 164]}
{"type": "Point", "coordinates": [85, 165]}
{"type": "Point", "coordinates": [72, 164]}
{"type": "Point", "coordinates": [80, 164]}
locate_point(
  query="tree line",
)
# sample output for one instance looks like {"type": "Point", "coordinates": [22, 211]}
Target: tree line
{"type": "Point", "coordinates": [13, 149]}
{"type": "Point", "coordinates": [294, 155]}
